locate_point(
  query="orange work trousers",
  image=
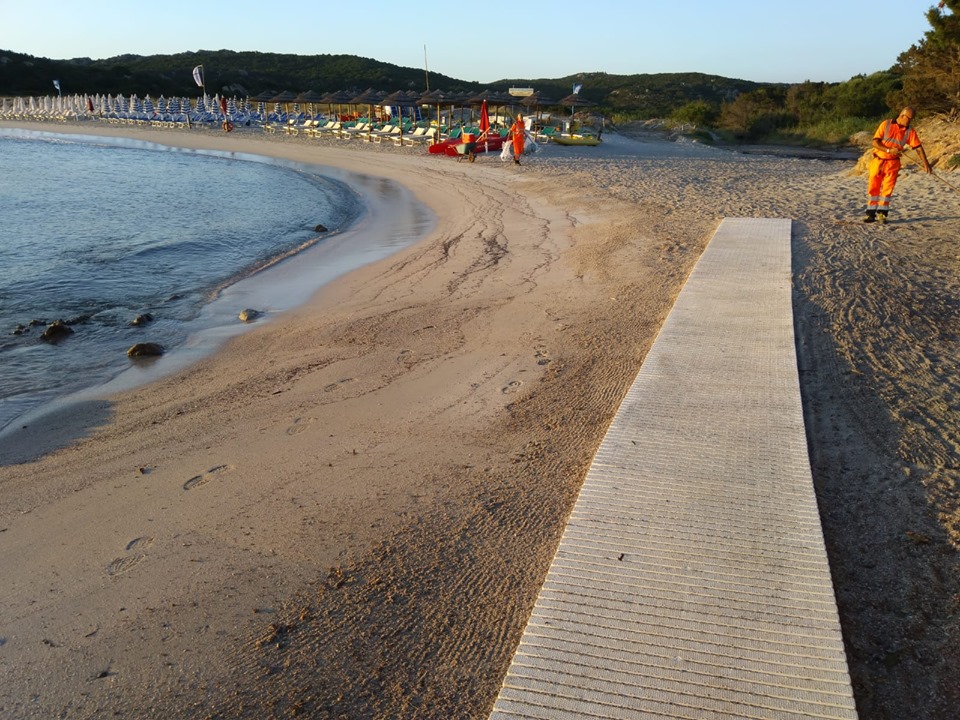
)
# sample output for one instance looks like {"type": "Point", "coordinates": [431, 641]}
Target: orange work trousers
{"type": "Point", "coordinates": [880, 184]}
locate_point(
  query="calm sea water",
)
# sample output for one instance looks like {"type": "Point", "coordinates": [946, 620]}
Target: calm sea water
{"type": "Point", "coordinates": [96, 234]}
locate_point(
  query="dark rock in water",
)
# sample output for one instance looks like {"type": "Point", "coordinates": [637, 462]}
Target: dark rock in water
{"type": "Point", "coordinates": [249, 315]}
{"type": "Point", "coordinates": [145, 350]}
{"type": "Point", "coordinates": [78, 319]}
{"type": "Point", "coordinates": [37, 323]}
{"type": "Point", "coordinates": [20, 330]}
{"type": "Point", "coordinates": [320, 228]}
{"type": "Point", "coordinates": [141, 320]}
{"type": "Point", "coordinates": [57, 330]}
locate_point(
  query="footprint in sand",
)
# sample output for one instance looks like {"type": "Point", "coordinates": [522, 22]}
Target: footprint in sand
{"type": "Point", "coordinates": [140, 543]}
{"type": "Point", "coordinates": [300, 424]}
{"type": "Point", "coordinates": [542, 356]}
{"type": "Point", "coordinates": [511, 387]}
{"type": "Point", "coordinates": [333, 386]}
{"type": "Point", "coordinates": [198, 480]}
{"type": "Point", "coordinates": [122, 564]}
{"type": "Point", "coordinates": [136, 548]}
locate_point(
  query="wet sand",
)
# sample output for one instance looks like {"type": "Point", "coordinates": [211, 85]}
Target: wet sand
{"type": "Point", "coordinates": [348, 511]}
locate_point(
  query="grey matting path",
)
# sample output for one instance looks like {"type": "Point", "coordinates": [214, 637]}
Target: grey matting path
{"type": "Point", "coordinates": [692, 579]}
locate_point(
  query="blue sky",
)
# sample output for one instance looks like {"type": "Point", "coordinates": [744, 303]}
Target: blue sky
{"type": "Point", "coordinates": [747, 39]}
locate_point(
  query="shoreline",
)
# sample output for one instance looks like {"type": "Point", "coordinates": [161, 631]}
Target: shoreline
{"type": "Point", "coordinates": [286, 283]}
{"type": "Point", "coordinates": [349, 511]}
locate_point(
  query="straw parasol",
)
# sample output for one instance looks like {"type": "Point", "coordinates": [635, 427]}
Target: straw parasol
{"type": "Point", "coordinates": [369, 97]}
{"type": "Point", "coordinates": [439, 98]}
{"type": "Point", "coordinates": [575, 100]}
{"type": "Point", "coordinates": [537, 102]}
{"type": "Point", "coordinates": [285, 98]}
{"type": "Point", "coordinates": [261, 99]}
{"type": "Point", "coordinates": [401, 100]}
{"type": "Point", "coordinates": [499, 100]}
{"type": "Point", "coordinates": [310, 97]}
{"type": "Point", "coordinates": [338, 98]}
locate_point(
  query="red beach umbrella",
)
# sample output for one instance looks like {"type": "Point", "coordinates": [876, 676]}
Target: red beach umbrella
{"type": "Point", "coordinates": [484, 121]}
{"type": "Point", "coordinates": [484, 118]}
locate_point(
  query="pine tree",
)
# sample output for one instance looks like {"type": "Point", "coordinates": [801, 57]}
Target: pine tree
{"type": "Point", "coordinates": [931, 68]}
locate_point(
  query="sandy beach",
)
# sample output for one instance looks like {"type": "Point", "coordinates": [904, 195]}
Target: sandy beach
{"type": "Point", "coordinates": [348, 511]}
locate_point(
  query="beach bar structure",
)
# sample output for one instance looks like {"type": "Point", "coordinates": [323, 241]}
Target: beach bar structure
{"type": "Point", "coordinates": [692, 579]}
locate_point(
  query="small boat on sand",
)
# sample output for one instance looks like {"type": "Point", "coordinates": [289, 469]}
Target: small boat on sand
{"type": "Point", "coordinates": [575, 139]}
{"type": "Point", "coordinates": [492, 142]}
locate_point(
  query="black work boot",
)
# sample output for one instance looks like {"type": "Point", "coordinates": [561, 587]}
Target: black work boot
{"type": "Point", "coordinates": [882, 216]}
{"type": "Point", "coordinates": [871, 216]}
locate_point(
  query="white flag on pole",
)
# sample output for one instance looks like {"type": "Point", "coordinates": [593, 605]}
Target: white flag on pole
{"type": "Point", "coordinates": [56, 84]}
{"type": "Point", "coordinates": [198, 75]}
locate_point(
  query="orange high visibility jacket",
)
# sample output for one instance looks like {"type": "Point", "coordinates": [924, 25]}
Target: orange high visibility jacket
{"type": "Point", "coordinates": [892, 135]}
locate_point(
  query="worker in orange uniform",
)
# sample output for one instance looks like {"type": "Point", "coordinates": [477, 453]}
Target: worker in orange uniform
{"type": "Point", "coordinates": [517, 132]}
{"type": "Point", "coordinates": [889, 142]}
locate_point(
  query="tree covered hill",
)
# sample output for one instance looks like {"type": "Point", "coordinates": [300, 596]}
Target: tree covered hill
{"type": "Point", "coordinates": [249, 73]}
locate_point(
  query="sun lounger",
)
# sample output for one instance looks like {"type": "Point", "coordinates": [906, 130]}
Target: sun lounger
{"type": "Point", "coordinates": [386, 132]}
{"type": "Point", "coordinates": [420, 136]}
{"type": "Point", "coordinates": [544, 134]}
{"type": "Point", "coordinates": [318, 129]}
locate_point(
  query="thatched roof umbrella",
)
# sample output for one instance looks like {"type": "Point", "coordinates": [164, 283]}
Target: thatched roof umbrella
{"type": "Point", "coordinates": [261, 98]}
{"type": "Point", "coordinates": [369, 97]}
{"type": "Point", "coordinates": [439, 98]}
{"type": "Point", "coordinates": [338, 98]}
{"type": "Point", "coordinates": [537, 102]}
{"type": "Point", "coordinates": [498, 100]}
{"type": "Point", "coordinates": [460, 100]}
{"type": "Point", "coordinates": [310, 97]}
{"type": "Point", "coordinates": [492, 98]}
{"type": "Point", "coordinates": [575, 100]}
{"type": "Point", "coordinates": [402, 100]}
{"type": "Point", "coordinates": [285, 98]}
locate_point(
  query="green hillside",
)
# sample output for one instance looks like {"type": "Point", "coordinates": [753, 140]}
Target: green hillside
{"type": "Point", "coordinates": [250, 73]}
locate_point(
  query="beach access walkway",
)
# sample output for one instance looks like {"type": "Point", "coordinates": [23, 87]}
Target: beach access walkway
{"type": "Point", "coordinates": [692, 578]}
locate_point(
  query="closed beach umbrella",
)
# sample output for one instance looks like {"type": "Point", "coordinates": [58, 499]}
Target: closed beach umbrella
{"type": "Point", "coordinates": [477, 101]}
{"type": "Point", "coordinates": [285, 98]}
{"type": "Point", "coordinates": [484, 123]}
{"type": "Point", "coordinates": [499, 100]}
{"type": "Point", "coordinates": [262, 99]}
